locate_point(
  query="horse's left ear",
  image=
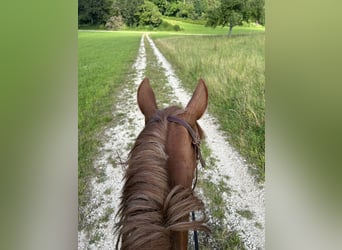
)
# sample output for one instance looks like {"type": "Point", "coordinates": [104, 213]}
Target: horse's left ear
{"type": "Point", "coordinates": [198, 102]}
{"type": "Point", "coordinates": [146, 99]}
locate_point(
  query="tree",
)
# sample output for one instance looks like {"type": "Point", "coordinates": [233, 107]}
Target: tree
{"type": "Point", "coordinates": [171, 9]}
{"type": "Point", "coordinates": [229, 13]}
{"type": "Point", "coordinates": [148, 14]}
{"type": "Point", "coordinates": [186, 10]}
{"type": "Point", "coordinates": [129, 10]}
{"type": "Point", "coordinates": [200, 7]}
{"type": "Point", "coordinates": [114, 23]}
{"type": "Point", "coordinates": [93, 11]}
{"type": "Point", "coordinates": [161, 4]}
{"type": "Point", "coordinates": [257, 10]}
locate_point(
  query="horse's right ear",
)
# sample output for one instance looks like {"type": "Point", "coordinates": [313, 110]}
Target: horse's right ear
{"type": "Point", "coordinates": [146, 99]}
{"type": "Point", "coordinates": [198, 103]}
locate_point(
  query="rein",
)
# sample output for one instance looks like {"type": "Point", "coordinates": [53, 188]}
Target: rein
{"type": "Point", "coordinates": [196, 141]}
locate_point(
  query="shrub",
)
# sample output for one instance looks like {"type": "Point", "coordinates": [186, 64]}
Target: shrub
{"type": "Point", "coordinates": [171, 9]}
{"type": "Point", "coordinates": [114, 23]}
{"type": "Point", "coordinates": [149, 15]}
{"type": "Point", "coordinates": [186, 10]}
{"type": "Point", "coordinates": [166, 26]}
{"type": "Point", "coordinates": [176, 27]}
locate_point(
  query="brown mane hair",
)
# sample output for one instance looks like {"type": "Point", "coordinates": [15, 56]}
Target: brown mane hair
{"type": "Point", "coordinates": [150, 210]}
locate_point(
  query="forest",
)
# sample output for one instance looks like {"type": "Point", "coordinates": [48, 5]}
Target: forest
{"type": "Point", "coordinates": [116, 14]}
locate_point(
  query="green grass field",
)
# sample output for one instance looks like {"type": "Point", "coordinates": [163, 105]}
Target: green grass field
{"type": "Point", "coordinates": [193, 28]}
{"type": "Point", "coordinates": [234, 72]}
{"type": "Point", "coordinates": [104, 59]}
{"type": "Point", "coordinates": [233, 69]}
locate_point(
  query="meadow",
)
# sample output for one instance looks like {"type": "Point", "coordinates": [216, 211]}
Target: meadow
{"type": "Point", "coordinates": [233, 69]}
{"type": "Point", "coordinates": [199, 27]}
{"type": "Point", "coordinates": [104, 60]}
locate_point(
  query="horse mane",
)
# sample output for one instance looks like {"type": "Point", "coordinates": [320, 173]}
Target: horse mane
{"type": "Point", "coordinates": [149, 210]}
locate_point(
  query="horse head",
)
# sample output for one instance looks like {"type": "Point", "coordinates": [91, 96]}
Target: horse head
{"type": "Point", "coordinates": [157, 197]}
{"type": "Point", "coordinates": [182, 158]}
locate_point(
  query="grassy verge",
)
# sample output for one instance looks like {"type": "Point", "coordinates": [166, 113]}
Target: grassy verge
{"type": "Point", "coordinates": [221, 237]}
{"type": "Point", "coordinates": [234, 72]}
{"type": "Point", "coordinates": [158, 80]}
{"type": "Point", "coordinates": [104, 60]}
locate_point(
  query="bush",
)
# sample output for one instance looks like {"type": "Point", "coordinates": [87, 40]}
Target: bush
{"type": "Point", "coordinates": [149, 15]}
{"type": "Point", "coordinates": [176, 27]}
{"type": "Point", "coordinates": [166, 26]}
{"type": "Point", "coordinates": [171, 9]}
{"type": "Point", "coordinates": [114, 23]}
{"type": "Point", "coordinates": [186, 11]}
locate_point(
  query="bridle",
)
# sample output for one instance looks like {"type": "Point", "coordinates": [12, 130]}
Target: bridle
{"type": "Point", "coordinates": [196, 141]}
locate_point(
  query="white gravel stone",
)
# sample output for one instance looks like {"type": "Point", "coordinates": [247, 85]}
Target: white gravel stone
{"type": "Point", "coordinates": [246, 193]}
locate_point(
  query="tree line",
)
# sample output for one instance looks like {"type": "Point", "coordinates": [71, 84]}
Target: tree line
{"type": "Point", "coordinates": [135, 13]}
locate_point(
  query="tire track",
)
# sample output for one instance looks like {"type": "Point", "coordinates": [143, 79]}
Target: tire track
{"type": "Point", "coordinates": [116, 141]}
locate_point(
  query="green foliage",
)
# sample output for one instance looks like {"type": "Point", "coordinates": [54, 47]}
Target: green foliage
{"type": "Point", "coordinates": [232, 12]}
{"type": "Point", "coordinates": [176, 27]}
{"type": "Point", "coordinates": [166, 26]}
{"type": "Point", "coordinates": [93, 12]}
{"type": "Point", "coordinates": [188, 20]}
{"type": "Point", "coordinates": [161, 4]}
{"type": "Point", "coordinates": [180, 9]}
{"type": "Point", "coordinates": [257, 10]}
{"type": "Point", "coordinates": [129, 10]}
{"type": "Point", "coordinates": [171, 9]}
{"type": "Point", "coordinates": [148, 14]}
{"type": "Point", "coordinates": [229, 13]}
{"type": "Point", "coordinates": [186, 11]}
{"type": "Point", "coordinates": [200, 7]}
{"type": "Point", "coordinates": [218, 12]}
{"type": "Point", "coordinates": [138, 13]}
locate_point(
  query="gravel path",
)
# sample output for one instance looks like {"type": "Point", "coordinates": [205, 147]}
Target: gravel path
{"type": "Point", "coordinates": [245, 195]}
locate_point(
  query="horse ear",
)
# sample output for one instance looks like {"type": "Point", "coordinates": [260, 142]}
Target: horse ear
{"type": "Point", "coordinates": [146, 99]}
{"type": "Point", "coordinates": [198, 102]}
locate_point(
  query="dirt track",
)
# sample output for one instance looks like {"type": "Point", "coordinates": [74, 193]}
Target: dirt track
{"type": "Point", "coordinates": [116, 141]}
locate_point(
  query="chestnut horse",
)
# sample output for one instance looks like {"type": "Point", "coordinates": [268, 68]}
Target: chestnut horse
{"type": "Point", "coordinates": [157, 196]}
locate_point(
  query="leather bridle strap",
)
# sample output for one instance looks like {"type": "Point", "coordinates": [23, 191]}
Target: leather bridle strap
{"type": "Point", "coordinates": [195, 138]}
{"type": "Point", "coordinates": [196, 141]}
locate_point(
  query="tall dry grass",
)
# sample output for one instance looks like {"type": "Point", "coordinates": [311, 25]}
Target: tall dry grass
{"type": "Point", "coordinates": [234, 70]}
